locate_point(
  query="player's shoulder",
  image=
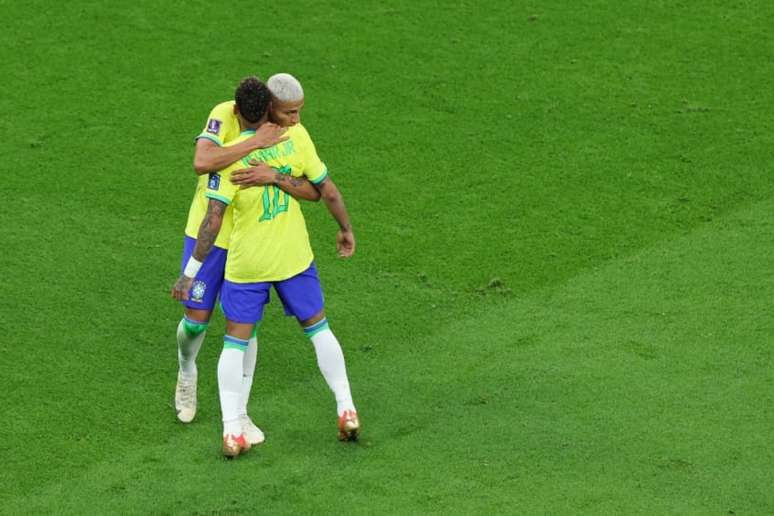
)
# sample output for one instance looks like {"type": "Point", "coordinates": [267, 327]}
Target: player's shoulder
{"type": "Point", "coordinates": [242, 136]}
{"type": "Point", "coordinates": [299, 133]}
{"type": "Point", "coordinates": [227, 105]}
{"type": "Point", "coordinates": [224, 110]}
{"type": "Point", "coordinates": [298, 129]}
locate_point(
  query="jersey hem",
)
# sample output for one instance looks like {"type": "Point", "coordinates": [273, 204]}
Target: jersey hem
{"type": "Point", "coordinates": [320, 178]}
{"type": "Point", "coordinates": [217, 197]}
{"type": "Point", "coordinates": [221, 247]}
{"type": "Point", "coordinates": [246, 282]}
{"type": "Point", "coordinates": [211, 138]}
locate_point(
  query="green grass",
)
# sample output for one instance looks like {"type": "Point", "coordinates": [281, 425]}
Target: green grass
{"type": "Point", "coordinates": [561, 298]}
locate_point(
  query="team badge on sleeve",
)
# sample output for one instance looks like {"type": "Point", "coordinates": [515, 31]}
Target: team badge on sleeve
{"type": "Point", "coordinates": [213, 126]}
{"type": "Point", "coordinates": [214, 182]}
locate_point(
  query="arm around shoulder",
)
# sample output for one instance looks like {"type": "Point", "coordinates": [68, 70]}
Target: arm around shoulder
{"type": "Point", "coordinates": [204, 156]}
{"type": "Point", "coordinates": [298, 187]}
{"type": "Point", "coordinates": [211, 157]}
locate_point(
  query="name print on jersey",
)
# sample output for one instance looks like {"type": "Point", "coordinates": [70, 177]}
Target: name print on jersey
{"type": "Point", "coordinates": [281, 150]}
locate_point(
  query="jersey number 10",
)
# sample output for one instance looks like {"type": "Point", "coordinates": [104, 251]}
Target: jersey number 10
{"type": "Point", "coordinates": [275, 200]}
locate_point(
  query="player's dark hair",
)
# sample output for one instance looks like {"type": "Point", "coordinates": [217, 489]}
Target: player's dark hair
{"type": "Point", "coordinates": [252, 99]}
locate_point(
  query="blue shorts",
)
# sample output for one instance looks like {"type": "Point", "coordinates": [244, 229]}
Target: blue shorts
{"type": "Point", "coordinates": [207, 282]}
{"type": "Point", "coordinates": [301, 296]}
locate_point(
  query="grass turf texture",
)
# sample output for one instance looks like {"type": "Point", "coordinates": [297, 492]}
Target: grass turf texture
{"type": "Point", "coordinates": [561, 300]}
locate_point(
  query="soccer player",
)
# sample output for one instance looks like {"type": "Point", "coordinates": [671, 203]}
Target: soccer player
{"type": "Point", "coordinates": [219, 145]}
{"type": "Point", "coordinates": [269, 246]}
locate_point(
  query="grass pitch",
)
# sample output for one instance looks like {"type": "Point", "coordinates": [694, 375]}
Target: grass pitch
{"type": "Point", "coordinates": [561, 298]}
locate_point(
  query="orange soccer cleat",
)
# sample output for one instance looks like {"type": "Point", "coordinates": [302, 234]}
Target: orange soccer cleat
{"type": "Point", "coordinates": [349, 426]}
{"type": "Point", "coordinates": [233, 445]}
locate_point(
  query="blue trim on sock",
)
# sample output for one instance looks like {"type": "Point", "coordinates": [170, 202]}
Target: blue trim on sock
{"type": "Point", "coordinates": [228, 339]}
{"type": "Point", "coordinates": [311, 331]}
{"type": "Point", "coordinates": [194, 321]}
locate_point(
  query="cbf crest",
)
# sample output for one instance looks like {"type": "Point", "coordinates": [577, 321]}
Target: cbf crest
{"type": "Point", "coordinates": [214, 182]}
{"type": "Point", "coordinates": [197, 291]}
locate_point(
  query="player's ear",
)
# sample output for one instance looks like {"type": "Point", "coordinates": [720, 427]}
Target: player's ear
{"type": "Point", "coordinates": [236, 109]}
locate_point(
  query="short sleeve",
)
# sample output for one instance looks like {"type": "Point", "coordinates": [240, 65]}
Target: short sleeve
{"type": "Point", "coordinates": [219, 128]}
{"type": "Point", "coordinates": [314, 169]}
{"type": "Point", "coordinates": [220, 187]}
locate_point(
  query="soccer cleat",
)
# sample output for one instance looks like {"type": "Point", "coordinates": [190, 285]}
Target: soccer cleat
{"type": "Point", "coordinates": [349, 426]}
{"type": "Point", "coordinates": [185, 397]}
{"type": "Point", "coordinates": [252, 433]}
{"type": "Point", "coordinates": [233, 445]}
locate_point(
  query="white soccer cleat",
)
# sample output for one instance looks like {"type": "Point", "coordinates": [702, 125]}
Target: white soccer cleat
{"type": "Point", "coordinates": [252, 433]}
{"type": "Point", "coordinates": [185, 397]}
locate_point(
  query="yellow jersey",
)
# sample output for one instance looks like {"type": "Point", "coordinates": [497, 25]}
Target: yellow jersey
{"type": "Point", "coordinates": [223, 129]}
{"type": "Point", "coordinates": [269, 241]}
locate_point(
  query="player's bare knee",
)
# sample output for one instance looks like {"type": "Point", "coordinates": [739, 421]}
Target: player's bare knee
{"type": "Point", "coordinates": [196, 314]}
{"type": "Point", "coordinates": [239, 330]}
{"type": "Point", "coordinates": [312, 320]}
{"type": "Point", "coordinates": [195, 322]}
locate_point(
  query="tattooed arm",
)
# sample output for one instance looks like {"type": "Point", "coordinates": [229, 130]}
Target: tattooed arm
{"type": "Point", "coordinates": [209, 229]}
{"type": "Point", "coordinates": [211, 157]}
{"type": "Point", "coordinates": [298, 187]}
{"type": "Point", "coordinates": [208, 232]}
{"type": "Point", "coordinates": [260, 174]}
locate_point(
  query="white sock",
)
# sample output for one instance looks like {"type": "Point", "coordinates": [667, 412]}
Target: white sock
{"type": "Point", "coordinates": [248, 370]}
{"type": "Point", "coordinates": [330, 360]}
{"type": "Point", "coordinates": [230, 382]}
{"type": "Point", "coordinates": [189, 343]}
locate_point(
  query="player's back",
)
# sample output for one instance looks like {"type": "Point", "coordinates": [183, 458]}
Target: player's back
{"type": "Point", "coordinates": [269, 241]}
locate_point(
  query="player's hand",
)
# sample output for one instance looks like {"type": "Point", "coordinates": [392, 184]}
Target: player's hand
{"type": "Point", "coordinates": [182, 287]}
{"type": "Point", "coordinates": [345, 243]}
{"type": "Point", "coordinates": [268, 135]}
{"type": "Point", "coordinates": [258, 174]}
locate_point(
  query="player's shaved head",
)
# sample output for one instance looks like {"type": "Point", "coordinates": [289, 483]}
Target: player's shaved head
{"type": "Point", "coordinates": [252, 99]}
{"type": "Point", "coordinates": [285, 88]}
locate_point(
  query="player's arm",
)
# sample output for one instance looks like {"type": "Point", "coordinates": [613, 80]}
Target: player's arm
{"type": "Point", "coordinates": [205, 240]}
{"type": "Point", "coordinates": [298, 187]}
{"type": "Point", "coordinates": [345, 239]}
{"type": "Point", "coordinates": [211, 157]}
{"type": "Point", "coordinates": [260, 174]}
